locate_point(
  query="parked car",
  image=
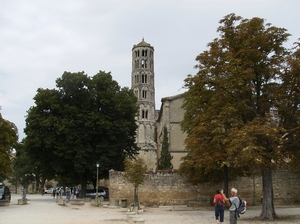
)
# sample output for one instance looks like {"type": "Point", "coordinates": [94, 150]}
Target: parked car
{"type": "Point", "coordinates": [48, 191]}
{"type": "Point", "coordinates": [92, 193]}
{"type": "Point", "coordinates": [4, 192]}
{"type": "Point", "coordinates": [102, 192]}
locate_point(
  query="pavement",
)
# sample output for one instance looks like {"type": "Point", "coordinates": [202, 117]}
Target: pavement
{"type": "Point", "coordinates": [44, 210]}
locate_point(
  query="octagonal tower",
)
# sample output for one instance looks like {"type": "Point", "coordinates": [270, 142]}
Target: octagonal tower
{"type": "Point", "coordinates": [142, 83]}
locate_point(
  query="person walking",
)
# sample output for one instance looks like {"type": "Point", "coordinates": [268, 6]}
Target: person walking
{"type": "Point", "coordinates": [53, 192]}
{"type": "Point", "coordinates": [234, 203]}
{"type": "Point", "coordinates": [68, 194]}
{"type": "Point", "coordinates": [219, 202]}
{"type": "Point", "coordinates": [74, 193]}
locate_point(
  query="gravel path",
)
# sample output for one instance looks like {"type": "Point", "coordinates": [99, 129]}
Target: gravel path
{"type": "Point", "coordinates": [44, 210]}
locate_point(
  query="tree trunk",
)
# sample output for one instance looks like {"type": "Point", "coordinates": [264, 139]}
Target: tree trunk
{"type": "Point", "coordinates": [83, 186]}
{"type": "Point", "coordinates": [226, 180]}
{"type": "Point", "coordinates": [268, 210]}
{"type": "Point", "coordinates": [135, 198]}
{"type": "Point", "coordinates": [43, 181]}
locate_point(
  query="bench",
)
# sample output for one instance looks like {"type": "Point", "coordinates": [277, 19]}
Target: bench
{"type": "Point", "coordinates": [190, 202]}
{"type": "Point", "coordinates": [179, 202]}
{"type": "Point", "coordinates": [194, 204]}
{"type": "Point", "coordinates": [198, 202]}
{"type": "Point", "coordinates": [281, 200]}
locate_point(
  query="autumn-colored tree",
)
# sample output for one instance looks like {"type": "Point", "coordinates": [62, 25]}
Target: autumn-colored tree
{"type": "Point", "coordinates": [8, 138]}
{"type": "Point", "coordinates": [230, 102]}
{"type": "Point", "coordinates": [289, 109]}
{"type": "Point", "coordinates": [135, 173]}
{"type": "Point", "coordinates": [165, 160]}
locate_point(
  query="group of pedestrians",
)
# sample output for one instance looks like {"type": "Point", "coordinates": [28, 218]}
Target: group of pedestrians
{"type": "Point", "coordinates": [57, 192]}
{"type": "Point", "coordinates": [70, 193]}
{"type": "Point", "coordinates": [219, 201]}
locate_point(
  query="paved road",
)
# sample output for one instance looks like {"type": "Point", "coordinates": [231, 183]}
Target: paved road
{"type": "Point", "coordinates": [44, 210]}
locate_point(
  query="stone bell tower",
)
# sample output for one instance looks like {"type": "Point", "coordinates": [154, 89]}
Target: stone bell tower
{"type": "Point", "coordinates": [142, 83]}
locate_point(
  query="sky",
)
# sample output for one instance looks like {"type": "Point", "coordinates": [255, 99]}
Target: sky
{"type": "Point", "coordinates": [40, 39]}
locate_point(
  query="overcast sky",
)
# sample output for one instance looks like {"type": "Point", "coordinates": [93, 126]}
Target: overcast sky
{"type": "Point", "coordinates": [40, 39]}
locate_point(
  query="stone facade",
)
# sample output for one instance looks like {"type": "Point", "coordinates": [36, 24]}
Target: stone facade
{"type": "Point", "coordinates": [169, 188]}
{"type": "Point", "coordinates": [151, 122]}
{"type": "Point", "coordinates": [142, 83]}
{"type": "Point", "coordinates": [170, 115]}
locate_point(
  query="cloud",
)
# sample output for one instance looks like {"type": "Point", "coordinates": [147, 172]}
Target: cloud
{"type": "Point", "coordinates": [39, 40]}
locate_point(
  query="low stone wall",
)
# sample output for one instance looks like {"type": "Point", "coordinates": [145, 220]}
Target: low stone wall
{"type": "Point", "coordinates": [168, 188]}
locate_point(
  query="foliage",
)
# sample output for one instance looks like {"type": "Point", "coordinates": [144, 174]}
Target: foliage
{"type": "Point", "coordinates": [230, 101]}
{"type": "Point", "coordinates": [85, 120]}
{"type": "Point", "coordinates": [25, 170]}
{"type": "Point", "coordinates": [288, 108]}
{"type": "Point", "coordinates": [135, 170]}
{"type": "Point", "coordinates": [134, 173]}
{"type": "Point", "coordinates": [8, 137]}
{"type": "Point", "coordinates": [164, 162]}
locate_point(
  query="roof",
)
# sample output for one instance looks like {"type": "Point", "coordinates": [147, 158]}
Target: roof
{"type": "Point", "coordinates": [169, 98]}
{"type": "Point", "coordinates": [143, 43]}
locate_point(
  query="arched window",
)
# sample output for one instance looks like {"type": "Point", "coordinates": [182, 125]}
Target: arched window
{"type": "Point", "coordinates": [144, 114]}
{"type": "Point", "coordinates": [144, 78]}
{"type": "Point", "coordinates": [144, 94]}
{"type": "Point", "coordinates": [137, 64]}
{"type": "Point", "coordinates": [144, 53]}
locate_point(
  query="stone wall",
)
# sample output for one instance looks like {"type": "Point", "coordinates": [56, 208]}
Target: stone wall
{"type": "Point", "coordinates": [167, 187]}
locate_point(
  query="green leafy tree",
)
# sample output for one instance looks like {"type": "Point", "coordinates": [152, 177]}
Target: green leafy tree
{"type": "Point", "coordinates": [8, 138]}
{"type": "Point", "coordinates": [25, 171]}
{"type": "Point", "coordinates": [230, 101]}
{"type": "Point", "coordinates": [85, 120]}
{"type": "Point", "coordinates": [134, 172]}
{"type": "Point", "coordinates": [164, 162]}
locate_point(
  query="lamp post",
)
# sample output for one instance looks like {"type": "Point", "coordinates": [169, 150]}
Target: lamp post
{"type": "Point", "coordinates": [254, 191]}
{"type": "Point", "coordinates": [96, 198]}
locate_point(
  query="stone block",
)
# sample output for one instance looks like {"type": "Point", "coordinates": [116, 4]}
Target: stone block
{"type": "Point", "coordinates": [129, 216]}
{"type": "Point", "coordinates": [22, 201]}
{"type": "Point", "coordinates": [61, 202]}
{"type": "Point", "coordinates": [4, 203]}
{"type": "Point", "coordinates": [77, 202]}
{"type": "Point", "coordinates": [87, 199]}
{"type": "Point", "coordinates": [137, 221]}
{"type": "Point", "coordinates": [93, 202]}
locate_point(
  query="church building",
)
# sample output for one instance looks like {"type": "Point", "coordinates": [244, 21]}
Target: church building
{"type": "Point", "coordinates": [150, 121]}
